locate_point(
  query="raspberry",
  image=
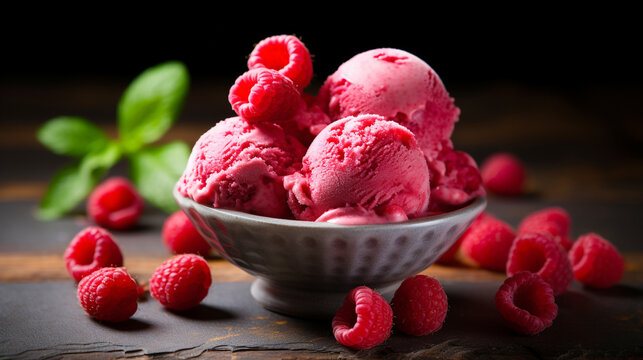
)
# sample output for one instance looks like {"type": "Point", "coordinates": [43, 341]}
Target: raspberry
{"type": "Point", "coordinates": [181, 237]}
{"type": "Point", "coordinates": [503, 174]}
{"type": "Point", "coordinates": [553, 220]}
{"type": "Point", "coordinates": [596, 262]}
{"type": "Point", "coordinates": [115, 204]}
{"type": "Point", "coordinates": [286, 54]}
{"type": "Point", "coordinates": [108, 294]}
{"type": "Point", "coordinates": [526, 301]}
{"type": "Point", "coordinates": [264, 95]}
{"type": "Point", "coordinates": [539, 253]}
{"type": "Point", "coordinates": [181, 282]}
{"type": "Point", "coordinates": [91, 249]}
{"type": "Point", "coordinates": [450, 256]}
{"type": "Point", "coordinates": [455, 180]}
{"type": "Point", "coordinates": [486, 243]}
{"type": "Point", "coordinates": [364, 320]}
{"type": "Point", "coordinates": [419, 305]}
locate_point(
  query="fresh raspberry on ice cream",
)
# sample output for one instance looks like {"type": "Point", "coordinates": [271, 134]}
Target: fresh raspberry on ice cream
{"type": "Point", "coordinates": [264, 95]}
{"type": "Point", "coordinates": [286, 54]}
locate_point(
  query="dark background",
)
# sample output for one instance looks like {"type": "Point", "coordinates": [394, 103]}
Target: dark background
{"type": "Point", "coordinates": [561, 89]}
{"type": "Point", "coordinates": [553, 49]}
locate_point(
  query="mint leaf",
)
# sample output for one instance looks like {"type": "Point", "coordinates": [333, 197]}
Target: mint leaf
{"type": "Point", "coordinates": [72, 136]}
{"type": "Point", "coordinates": [151, 104]}
{"type": "Point", "coordinates": [156, 170]}
{"type": "Point", "coordinates": [73, 183]}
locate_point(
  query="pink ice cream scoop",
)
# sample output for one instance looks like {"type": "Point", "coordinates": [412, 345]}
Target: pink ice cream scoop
{"type": "Point", "coordinates": [397, 85]}
{"type": "Point", "coordinates": [360, 170]}
{"type": "Point", "coordinates": [240, 165]}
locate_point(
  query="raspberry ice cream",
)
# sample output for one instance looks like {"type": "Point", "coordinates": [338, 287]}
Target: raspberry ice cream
{"type": "Point", "coordinates": [376, 140]}
{"type": "Point", "coordinates": [455, 180]}
{"type": "Point", "coordinates": [400, 87]}
{"type": "Point", "coordinates": [362, 169]}
{"type": "Point", "coordinates": [240, 165]}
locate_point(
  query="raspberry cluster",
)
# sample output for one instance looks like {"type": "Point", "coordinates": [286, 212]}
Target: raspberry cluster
{"type": "Point", "coordinates": [419, 307]}
{"type": "Point", "coordinates": [107, 292]}
{"type": "Point", "coordinates": [543, 247]}
{"type": "Point", "coordinates": [272, 89]}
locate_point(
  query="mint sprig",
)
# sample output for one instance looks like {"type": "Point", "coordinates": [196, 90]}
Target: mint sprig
{"type": "Point", "coordinates": [148, 108]}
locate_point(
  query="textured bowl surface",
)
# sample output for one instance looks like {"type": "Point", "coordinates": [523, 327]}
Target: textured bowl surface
{"type": "Point", "coordinates": [306, 268]}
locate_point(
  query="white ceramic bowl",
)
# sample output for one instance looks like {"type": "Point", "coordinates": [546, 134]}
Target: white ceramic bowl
{"type": "Point", "coordinates": [305, 269]}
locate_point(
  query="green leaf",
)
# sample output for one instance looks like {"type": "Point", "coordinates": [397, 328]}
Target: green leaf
{"type": "Point", "coordinates": [156, 170]}
{"type": "Point", "coordinates": [73, 136]}
{"type": "Point", "coordinates": [151, 104]}
{"type": "Point", "coordinates": [73, 183]}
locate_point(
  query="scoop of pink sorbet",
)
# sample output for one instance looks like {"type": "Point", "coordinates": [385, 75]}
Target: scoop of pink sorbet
{"type": "Point", "coordinates": [360, 170]}
{"type": "Point", "coordinates": [397, 85]}
{"type": "Point", "coordinates": [240, 165]}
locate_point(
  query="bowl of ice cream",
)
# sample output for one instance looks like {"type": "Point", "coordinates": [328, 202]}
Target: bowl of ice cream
{"type": "Point", "coordinates": [317, 194]}
{"type": "Point", "coordinates": [306, 268]}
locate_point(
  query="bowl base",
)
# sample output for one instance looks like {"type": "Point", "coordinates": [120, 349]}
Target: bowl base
{"type": "Point", "coordinates": [305, 303]}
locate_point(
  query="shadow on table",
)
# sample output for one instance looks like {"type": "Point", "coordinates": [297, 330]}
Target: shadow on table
{"type": "Point", "coordinates": [129, 325]}
{"type": "Point", "coordinates": [204, 312]}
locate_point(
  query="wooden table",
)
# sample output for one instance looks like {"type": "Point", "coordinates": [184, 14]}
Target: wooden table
{"type": "Point", "coordinates": [582, 153]}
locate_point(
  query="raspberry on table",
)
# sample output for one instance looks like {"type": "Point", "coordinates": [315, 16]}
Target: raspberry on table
{"type": "Point", "coordinates": [91, 249]}
{"type": "Point", "coordinates": [527, 303]}
{"type": "Point", "coordinates": [364, 320]}
{"type": "Point", "coordinates": [286, 54]}
{"type": "Point", "coordinates": [181, 237]}
{"type": "Point", "coordinates": [264, 95]}
{"type": "Point", "coordinates": [503, 174]}
{"type": "Point", "coordinates": [486, 243]}
{"type": "Point", "coordinates": [181, 282]}
{"type": "Point", "coordinates": [450, 256]}
{"type": "Point", "coordinates": [553, 220]}
{"type": "Point", "coordinates": [596, 262]}
{"type": "Point", "coordinates": [419, 305]}
{"type": "Point", "coordinates": [539, 253]}
{"type": "Point", "coordinates": [108, 294]}
{"type": "Point", "coordinates": [115, 204]}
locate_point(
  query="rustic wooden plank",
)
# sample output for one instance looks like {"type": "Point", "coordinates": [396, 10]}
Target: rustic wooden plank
{"type": "Point", "coordinates": [46, 267]}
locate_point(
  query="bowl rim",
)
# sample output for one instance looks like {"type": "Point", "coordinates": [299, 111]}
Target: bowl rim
{"type": "Point", "coordinates": [477, 205]}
